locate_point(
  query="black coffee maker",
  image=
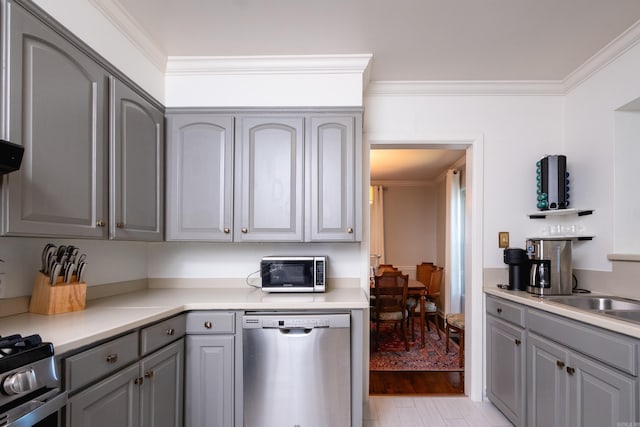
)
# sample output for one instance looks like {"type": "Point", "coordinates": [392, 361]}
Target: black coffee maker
{"type": "Point", "coordinates": [519, 268]}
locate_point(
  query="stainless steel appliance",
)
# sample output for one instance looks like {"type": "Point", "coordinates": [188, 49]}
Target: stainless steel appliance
{"type": "Point", "coordinates": [297, 370]}
{"type": "Point", "coordinates": [293, 273]}
{"type": "Point", "coordinates": [551, 272]}
{"type": "Point", "coordinates": [29, 383]}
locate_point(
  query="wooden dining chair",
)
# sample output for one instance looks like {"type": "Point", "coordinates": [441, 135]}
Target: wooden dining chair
{"type": "Point", "coordinates": [423, 275]}
{"type": "Point", "coordinates": [386, 267]}
{"type": "Point", "coordinates": [430, 306]}
{"type": "Point", "coordinates": [390, 291]}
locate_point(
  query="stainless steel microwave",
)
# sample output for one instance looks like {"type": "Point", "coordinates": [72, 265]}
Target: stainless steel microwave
{"type": "Point", "coordinates": [293, 273]}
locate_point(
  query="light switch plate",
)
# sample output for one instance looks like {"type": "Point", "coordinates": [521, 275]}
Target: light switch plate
{"type": "Point", "coordinates": [503, 239]}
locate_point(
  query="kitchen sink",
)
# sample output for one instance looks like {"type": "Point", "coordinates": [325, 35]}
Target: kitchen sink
{"type": "Point", "coordinates": [617, 307]}
{"type": "Point", "coordinates": [596, 302]}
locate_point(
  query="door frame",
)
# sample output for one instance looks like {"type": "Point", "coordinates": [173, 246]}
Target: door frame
{"type": "Point", "coordinates": [474, 319]}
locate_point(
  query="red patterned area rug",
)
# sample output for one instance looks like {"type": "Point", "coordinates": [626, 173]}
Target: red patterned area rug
{"type": "Point", "coordinates": [392, 355]}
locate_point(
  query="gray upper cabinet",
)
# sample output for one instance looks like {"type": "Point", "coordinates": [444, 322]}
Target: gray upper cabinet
{"type": "Point", "coordinates": [264, 176]}
{"type": "Point", "coordinates": [137, 165]}
{"type": "Point", "coordinates": [199, 177]}
{"type": "Point", "coordinates": [269, 178]}
{"type": "Point", "coordinates": [57, 107]}
{"type": "Point", "coordinates": [332, 173]}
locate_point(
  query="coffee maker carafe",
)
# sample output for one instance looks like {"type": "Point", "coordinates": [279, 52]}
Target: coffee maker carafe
{"type": "Point", "coordinates": [551, 272]}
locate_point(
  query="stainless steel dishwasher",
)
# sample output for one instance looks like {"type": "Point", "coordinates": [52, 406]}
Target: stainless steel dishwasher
{"type": "Point", "coordinates": [297, 370]}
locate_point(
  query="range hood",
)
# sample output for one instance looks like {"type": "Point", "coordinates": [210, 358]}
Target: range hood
{"type": "Point", "coordinates": [10, 156]}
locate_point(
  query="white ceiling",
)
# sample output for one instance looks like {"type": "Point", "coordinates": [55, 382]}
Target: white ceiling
{"type": "Point", "coordinates": [409, 39]}
{"type": "Point", "coordinates": [415, 40]}
{"type": "Point", "coordinates": [415, 165]}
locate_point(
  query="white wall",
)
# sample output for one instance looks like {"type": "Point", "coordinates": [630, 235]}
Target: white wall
{"type": "Point", "coordinates": [516, 130]}
{"type": "Point", "coordinates": [107, 262]}
{"type": "Point", "coordinates": [590, 141]}
{"type": "Point", "coordinates": [90, 25]}
{"type": "Point", "coordinates": [410, 224]}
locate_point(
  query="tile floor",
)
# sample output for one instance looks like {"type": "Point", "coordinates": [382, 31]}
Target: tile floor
{"type": "Point", "coordinates": [391, 411]}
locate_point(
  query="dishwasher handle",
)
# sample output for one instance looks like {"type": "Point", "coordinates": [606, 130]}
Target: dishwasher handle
{"type": "Point", "coordinates": [295, 331]}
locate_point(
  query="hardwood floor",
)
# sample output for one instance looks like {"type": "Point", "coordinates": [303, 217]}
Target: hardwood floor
{"type": "Point", "coordinates": [416, 383]}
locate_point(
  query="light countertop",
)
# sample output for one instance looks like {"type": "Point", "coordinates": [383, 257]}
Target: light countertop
{"type": "Point", "coordinates": [106, 317]}
{"type": "Point", "coordinates": [606, 322]}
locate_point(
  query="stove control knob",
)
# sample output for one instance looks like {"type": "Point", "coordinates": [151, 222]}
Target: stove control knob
{"type": "Point", "coordinates": [20, 382]}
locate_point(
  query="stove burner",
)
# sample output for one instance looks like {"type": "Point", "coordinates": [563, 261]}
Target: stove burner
{"type": "Point", "coordinates": [16, 343]}
{"type": "Point", "coordinates": [16, 351]}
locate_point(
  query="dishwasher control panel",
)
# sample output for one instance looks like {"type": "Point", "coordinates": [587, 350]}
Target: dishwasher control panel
{"type": "Point", "coordinates": [295, 321]}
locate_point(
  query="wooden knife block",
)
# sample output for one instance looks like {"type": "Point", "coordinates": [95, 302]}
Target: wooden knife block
{"type": "Point", "coordinates": [59, 298]}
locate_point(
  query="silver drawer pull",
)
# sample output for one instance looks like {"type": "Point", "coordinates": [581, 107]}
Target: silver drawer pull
{"type": "Point", "coordinates": [208, 325]}
{"type": "Point", "coordinates": [170, 331]}
{"type": "Point", "coordinates": [112, 358]}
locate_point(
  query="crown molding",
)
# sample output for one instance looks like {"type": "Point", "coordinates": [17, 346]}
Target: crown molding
{"type": "Point", "coordinates": [276, 64]}
{"type": "Point", "coordinates": [467, 87]}
{"type": "Point", "coordinates": [131, 29]}
{"type": "Point", "coordinates": [613, 50]}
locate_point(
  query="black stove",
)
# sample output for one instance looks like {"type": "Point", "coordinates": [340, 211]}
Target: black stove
{"type": "Point", "coordinates": [28, 376]}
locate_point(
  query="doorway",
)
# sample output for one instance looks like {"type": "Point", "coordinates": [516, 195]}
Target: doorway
{"type": "Point", "coordinates": [423, 222]}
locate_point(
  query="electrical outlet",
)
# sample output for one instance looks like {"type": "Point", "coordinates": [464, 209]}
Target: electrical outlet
{"type": "Point", "coordinates": [3, 284]}
{"type": "Point", "coordinates": [503, 239]}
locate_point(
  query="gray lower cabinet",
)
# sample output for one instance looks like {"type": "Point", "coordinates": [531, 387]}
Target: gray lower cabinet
{"type": "Point", "coordinates": [112, 402]}
{"type": "Point", "coordinates": [506, 368]}
{"type": "Point", "coordinates": [580, 375]}
{"type": "Point", "coordinates": [57, 104]}
{"type": "Point", "coordinates": [576, 374]}
{"type": "Point", "coordinates": [211, 369]}
{"type": "Point", "coordinates": [209, 396]}
{"type": "Point", "coordinates": [147, 394]}
{"type": "Point", "coordinates": [122, 383]}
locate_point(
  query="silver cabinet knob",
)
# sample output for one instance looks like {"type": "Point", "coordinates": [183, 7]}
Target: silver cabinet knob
{"type": "Point", "coordinates": [244, 230]}
{"type": "Point", "coordinates": [350, 230]}
{"type": "Point", "coordinates": [112, 358]}
{"type": "Point", "coordinates": [208, 325]}
{"type": "Point", "coordinates": [148, 374]}
{"type": "Point", "coordinates": [226, 230]}
{"type": "Point", "coordinates": [120, 225]}
{"type": "Point", "coordinates": [170, 331]}
{"type": "Point", "coordinates": [100, 223]}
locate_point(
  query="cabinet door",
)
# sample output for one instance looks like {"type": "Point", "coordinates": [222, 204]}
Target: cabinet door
{"type": "Point", "coordinates": [600, 395]}
{"type": "Point", "coordinates": [209, 395]}
{"type": "Point", "coordinates": [199, 177]}
{"type": "Point", "coordinates": [506, 368]}
{"type": "Point", "coordinates": [137, 162]}
{"type": "Point", "coordinates": [112, 402]}
{"type": "Point", "coordinates": [546, 383]}
{"type": "Point", "coordinates": [331, 178]}
{"type": "Point", "coordinates": [162, 394]}
{"type": "Point", "coordinates": [269, 178]}
{"type": "Point", "coordinates": [56, 111]}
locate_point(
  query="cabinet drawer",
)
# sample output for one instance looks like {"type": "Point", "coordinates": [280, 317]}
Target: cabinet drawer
{"type": "Point", "coordinates": [161, 334]}
{"type": "Point", "coordinates": [86, 367]}
{"type": "Point", "coordinates": [210, 322]}
{"type": "Point", "coordinates": [506, 311]}
{"type": "Point", "coordinates": [608, 347]}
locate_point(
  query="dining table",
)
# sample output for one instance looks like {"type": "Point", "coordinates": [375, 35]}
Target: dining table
{"type": "Point", "coordinates": [418, 289]}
